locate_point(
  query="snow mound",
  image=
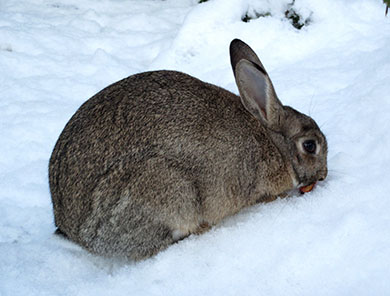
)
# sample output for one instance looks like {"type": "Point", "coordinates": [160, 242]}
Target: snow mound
{"type": "Point", "coordinates": [334, 240]}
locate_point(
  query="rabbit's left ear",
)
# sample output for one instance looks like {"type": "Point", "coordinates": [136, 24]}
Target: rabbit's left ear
{"type": "Point", "coordinates": [258, 94]}
{"type": "Point", "coordinates": [239, 50]}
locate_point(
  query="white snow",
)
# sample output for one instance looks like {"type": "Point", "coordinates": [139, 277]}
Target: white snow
{"type": "Point", "coordinates": [335, 240]}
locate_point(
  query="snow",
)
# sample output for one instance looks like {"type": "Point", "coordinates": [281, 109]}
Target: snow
{"type": "Point", "coordinates": [334, 240]}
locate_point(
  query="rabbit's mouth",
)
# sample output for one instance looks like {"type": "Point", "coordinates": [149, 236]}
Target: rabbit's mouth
{"type": "Point", "coordinates": [307, 183]}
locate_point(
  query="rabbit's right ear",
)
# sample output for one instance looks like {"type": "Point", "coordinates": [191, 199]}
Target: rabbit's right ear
{"type": "Point", "coordinates": [257, 94]}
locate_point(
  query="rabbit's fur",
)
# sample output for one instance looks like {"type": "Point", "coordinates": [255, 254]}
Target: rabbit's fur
{"type": "Point", "coordinates": [160, 155]}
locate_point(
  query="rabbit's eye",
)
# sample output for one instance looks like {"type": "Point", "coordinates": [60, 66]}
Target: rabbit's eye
{"type": "Point", "coordinates": [309, 146]}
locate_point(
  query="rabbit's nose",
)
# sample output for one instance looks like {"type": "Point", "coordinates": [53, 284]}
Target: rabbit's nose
{"type": "Point", "coordinates": [322, 174]}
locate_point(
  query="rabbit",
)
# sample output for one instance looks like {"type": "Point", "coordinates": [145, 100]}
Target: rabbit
{"type": "Point", "coordinates": [161, 155]}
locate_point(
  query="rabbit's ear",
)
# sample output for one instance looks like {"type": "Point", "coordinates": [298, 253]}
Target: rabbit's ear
{"type": "Point", "coordinates": [239, 50]}
{"type": "Point", "coordinates": [258, 94]}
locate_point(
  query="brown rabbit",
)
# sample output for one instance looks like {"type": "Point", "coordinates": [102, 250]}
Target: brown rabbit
{"type": "Point", "coordinates": [160, 155]}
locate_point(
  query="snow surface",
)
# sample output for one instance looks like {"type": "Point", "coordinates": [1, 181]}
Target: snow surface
{"type": "Point", "coordinates": [333, 241]}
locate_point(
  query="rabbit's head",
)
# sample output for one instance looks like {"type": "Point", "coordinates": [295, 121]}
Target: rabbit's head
{"type": "Point", "coordinates": [296, 135]}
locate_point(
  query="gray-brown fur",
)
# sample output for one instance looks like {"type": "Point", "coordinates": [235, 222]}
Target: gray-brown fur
{"type": "Point", "coordinates": [160, 155]}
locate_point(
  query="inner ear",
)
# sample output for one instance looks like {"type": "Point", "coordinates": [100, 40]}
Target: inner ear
{"type": "Point", "coordinates": [257, 93]}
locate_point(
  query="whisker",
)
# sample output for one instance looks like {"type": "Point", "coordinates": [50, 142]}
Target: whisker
{"type": "Point", "coordinates": [336, 172]}
{"type": "Point", "coordinates": [324, 123]}
{"type": "Point", "coordinates": [311, 105]}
